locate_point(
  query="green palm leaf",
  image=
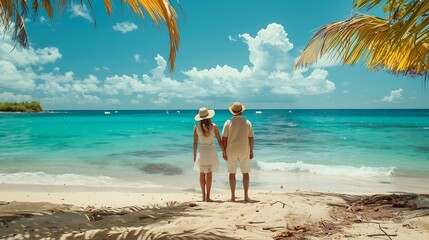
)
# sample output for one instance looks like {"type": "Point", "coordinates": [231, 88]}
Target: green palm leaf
{"type": "Point", "coordinates": [15, 11]}
{"type": "Point", "coordinates": [398, 43]}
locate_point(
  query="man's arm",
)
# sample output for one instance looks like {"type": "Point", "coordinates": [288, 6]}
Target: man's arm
{"type": "Point", "coordinates": [251, 142]}
{"type": "Point", "coordinates": [224, 143]}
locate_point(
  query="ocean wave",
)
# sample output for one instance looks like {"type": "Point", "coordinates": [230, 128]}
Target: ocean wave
{"type": "Point", "coordinates": [41, 178]}
{"type": "Point", "coordinates": [336, 170]}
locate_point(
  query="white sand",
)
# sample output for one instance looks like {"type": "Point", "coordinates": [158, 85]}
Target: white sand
{"type": "Point", "coordinates": [70, 212]}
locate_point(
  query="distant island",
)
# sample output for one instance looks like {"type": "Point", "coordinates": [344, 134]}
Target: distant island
{"type": "Point", "coordinates": [21, 107]}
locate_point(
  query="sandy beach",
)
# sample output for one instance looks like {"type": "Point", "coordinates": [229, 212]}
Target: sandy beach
{"type": "Point", "coordinates": [73, 212]}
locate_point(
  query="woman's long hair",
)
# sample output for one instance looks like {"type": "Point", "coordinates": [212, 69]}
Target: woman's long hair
{"type": "Point", "coordinates": [206, 126]}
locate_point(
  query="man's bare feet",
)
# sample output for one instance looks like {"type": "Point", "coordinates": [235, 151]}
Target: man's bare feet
{"type": "Point", "coordinates": [247, 199]}
{"type": "Point", "coordinates": [232, 199]}
{"type": "Point", "coordinates": [209, 200]}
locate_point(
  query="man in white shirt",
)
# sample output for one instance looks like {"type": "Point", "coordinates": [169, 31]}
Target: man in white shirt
{"type": "Point", "coordinates": [237, 139]}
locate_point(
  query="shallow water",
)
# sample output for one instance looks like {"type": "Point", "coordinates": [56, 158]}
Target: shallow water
{"type": "Point", "coordinates": [90, 148]}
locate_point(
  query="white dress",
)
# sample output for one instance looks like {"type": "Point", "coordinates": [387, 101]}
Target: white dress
{"type": "Point", "coordinates": [207, 159]}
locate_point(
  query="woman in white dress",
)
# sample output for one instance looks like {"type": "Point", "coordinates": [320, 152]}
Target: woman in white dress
{"type": "Point", "coordinates": [205, 155]}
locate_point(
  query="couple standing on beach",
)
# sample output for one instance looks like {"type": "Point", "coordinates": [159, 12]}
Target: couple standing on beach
{"type": "Point", "coordinates": [236, 145]}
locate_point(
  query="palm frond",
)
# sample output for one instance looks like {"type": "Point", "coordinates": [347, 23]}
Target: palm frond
{"type": "Point", "coordinates": [397, 44]}
{"type": "Point", "coordinates": [347, 40]}
{"type": "Point", "coordinates": [366, 4]}
{"type": "Point", "coordinates": [158, 10]}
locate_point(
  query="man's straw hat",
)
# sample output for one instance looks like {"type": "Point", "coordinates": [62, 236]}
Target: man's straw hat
{"type": "Point", "coordinates": [236, 108]}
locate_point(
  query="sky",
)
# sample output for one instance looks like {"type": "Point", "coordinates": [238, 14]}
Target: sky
{"type": "Point", "coordinates": [229, 51]}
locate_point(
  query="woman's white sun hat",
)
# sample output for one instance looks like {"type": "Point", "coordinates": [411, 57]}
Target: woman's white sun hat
{"type": "Point", "coordinates": [204, 113]}
{"type": "Point", "coordinates": [236, 108]}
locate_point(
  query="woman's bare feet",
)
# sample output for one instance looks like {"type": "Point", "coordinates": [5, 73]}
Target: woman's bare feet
{"type": "Point", "coordinates": [209, 200]}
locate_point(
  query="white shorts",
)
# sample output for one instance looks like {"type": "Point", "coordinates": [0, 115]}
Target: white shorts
{"type": "Point", "coordinates": [233, 163]}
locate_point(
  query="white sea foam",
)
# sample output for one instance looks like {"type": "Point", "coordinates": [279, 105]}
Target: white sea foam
{"type": "Point", "coordinates": [336, 170]}
{"type": "Point", "coordinates": [42, 178]}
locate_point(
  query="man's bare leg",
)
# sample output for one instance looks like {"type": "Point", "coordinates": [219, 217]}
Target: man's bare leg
{"type": "Point", "coordinates": [232, 182]}
{"type": "Point", "coordinates": [246, 181]}
{"type": "Point", "coordinates": [208, 185]}
{"type": "Point", "coordinates": [203, 185]}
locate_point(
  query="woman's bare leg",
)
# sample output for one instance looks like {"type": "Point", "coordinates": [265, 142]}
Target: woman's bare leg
{"type": "Point", "coordinates": [203, 185]}
{"type": "Point", "coordinates": [209, 185]}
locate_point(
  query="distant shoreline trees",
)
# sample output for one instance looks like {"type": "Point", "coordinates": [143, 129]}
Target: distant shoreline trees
{"type": "Point", "coordinates": [21, 107]}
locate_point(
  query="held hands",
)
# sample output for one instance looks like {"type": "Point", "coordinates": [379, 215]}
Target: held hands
{"type": "Point", "coordinates": [225, 157]}
{"type": "Point", "coordinates": [251, 154]}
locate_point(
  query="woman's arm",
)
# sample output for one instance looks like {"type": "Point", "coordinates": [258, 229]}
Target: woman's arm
{"type": "Point", "coordinates": [216, 131]}
{"type": "Point", "coordinates": [195, 143]}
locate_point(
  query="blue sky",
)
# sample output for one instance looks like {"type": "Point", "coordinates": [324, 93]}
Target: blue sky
{"type": "Point", "coordinates": [230, 51]}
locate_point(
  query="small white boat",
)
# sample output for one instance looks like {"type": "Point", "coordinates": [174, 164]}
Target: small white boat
{"type": "Point", "coordinates": [258, 112]}
{"type": "Point", "coordinates": [106, 113]}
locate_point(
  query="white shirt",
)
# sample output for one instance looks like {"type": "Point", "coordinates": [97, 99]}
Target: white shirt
{"type": "Point", "coordinates": [237, 130]}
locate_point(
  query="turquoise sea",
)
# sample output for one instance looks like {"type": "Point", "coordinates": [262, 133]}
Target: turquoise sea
{"type": "Point", "coordinates": [153, 149]}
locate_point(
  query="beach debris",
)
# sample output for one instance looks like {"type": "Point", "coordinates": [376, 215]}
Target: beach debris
{"type": "Point", "coordinates": [381, 235]}
{"type": "Point", "coordinates": [171, 203]}
{"type": "Point", "coordinates": [327, 226]}
{"type": "Point", "coordinates": [93, 217]}
{"type": "Point", "coordinates": [284, 204]}
{"type": "Point", "coordinates": [192, 204]}
{"type": "Point", "coordinates": [256, 222]}
{"type": "Point", "coordinates": [384, 232]}
{"type": "Point", "coordinates": [145, 216]}
{"type": "Point", "coordinates": [300, 229]}
{"type": "Point", "coordinates": [241, 226]}
{"type": "Point", "coordinates": [407, 225]}
{"type": "Point", "coordinates": [282, 235]}
{"type": "Point", "coordinates": [272, 229]}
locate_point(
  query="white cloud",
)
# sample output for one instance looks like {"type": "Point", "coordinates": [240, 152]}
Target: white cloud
{"type": "Point", "coordinates": [43, 19]}
{"type": "Point", "coordinates": [125, 27]}
{"type": "Point", "coordinates": [27, 56]}
{"type": "Point", "coordinates": [72, 98]}
{"type": "Point", "coordinates": [268, 77]}
{"type": "Point", "coordinates": [13, 78]}
{"type": "Point", "coordinates": [113, 101]}
{"type": "Point", "coordinates": [20, 67]}
{"type": "Point", "coordinates": [11, 97]}
{"type": "Point", "coordinates": [271, 71]}
{"type": "Point", "coordinates": [137, 58]}
{"type": "Point", "coordinates": [79, 10]}
{"type": "Point", "coordinates": [232, 39]}
{"type": "Point", "coordinates": [394, 95]}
